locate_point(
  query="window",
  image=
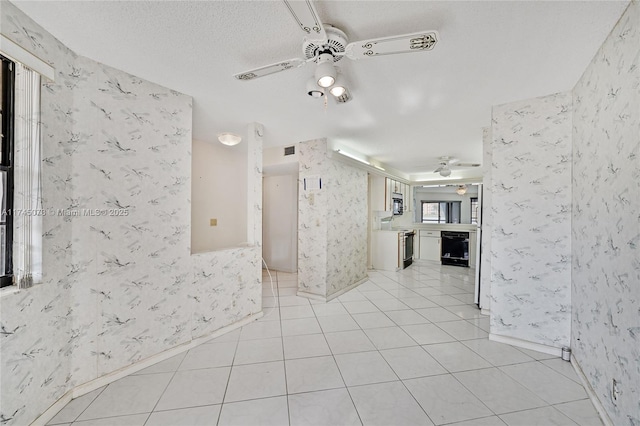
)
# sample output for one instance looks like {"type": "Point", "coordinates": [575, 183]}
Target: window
{"type": "Point", "coordinates": [6, 173]}
{"type": "Point", "coordinates": [441, 211]}
{"type": "Point", "coordinates": [474, 210]}
{"type": "Point", "coordinates": [20, 199]}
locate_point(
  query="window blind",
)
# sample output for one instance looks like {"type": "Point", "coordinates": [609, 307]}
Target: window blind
{"type": "Point", "coordinates": [28, 211]}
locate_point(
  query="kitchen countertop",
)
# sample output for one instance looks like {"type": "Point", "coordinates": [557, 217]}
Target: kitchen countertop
{"type": "Point", "coordinates": [464, 227]}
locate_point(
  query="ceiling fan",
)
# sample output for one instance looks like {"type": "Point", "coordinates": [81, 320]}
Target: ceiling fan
{"type": "Point", "coordinates": [326, 44]}
{"type": "Point", "coordinates": [446, 163]}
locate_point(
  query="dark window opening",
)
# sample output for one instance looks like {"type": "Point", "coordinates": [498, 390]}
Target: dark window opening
{"type": "Point", "coordinates": [6, 173]}
{"type": "Point", "coordinates": [441, 211]}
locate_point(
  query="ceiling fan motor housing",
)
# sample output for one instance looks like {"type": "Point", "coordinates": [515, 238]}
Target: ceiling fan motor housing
{"type": "Point", "coordinates": [336, 43]}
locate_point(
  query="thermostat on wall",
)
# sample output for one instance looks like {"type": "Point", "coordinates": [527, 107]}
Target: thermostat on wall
{"type": "Point", "coordinates": [312, 182]}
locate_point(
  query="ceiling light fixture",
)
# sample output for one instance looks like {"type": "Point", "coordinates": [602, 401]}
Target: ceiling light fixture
{"type": "Point", "coordinates": [313, 89]}
{"type": "Point", "coordinates": [229, 139]}
{"type": "Point", "coordinates": [325, 71]}
{"type": "Point", "coordinates": [445, 171]}
{"type": "Point", "coordinates": [461, 190]}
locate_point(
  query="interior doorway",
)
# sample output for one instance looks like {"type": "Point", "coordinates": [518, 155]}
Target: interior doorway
{"type": "Point", "coordinates": [280, 221]}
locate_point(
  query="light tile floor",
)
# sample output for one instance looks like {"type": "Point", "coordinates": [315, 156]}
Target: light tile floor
{"type": "Point", "coordinates": [401, 349]}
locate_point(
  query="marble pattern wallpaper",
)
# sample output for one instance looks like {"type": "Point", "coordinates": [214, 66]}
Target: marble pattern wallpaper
{"type": "Point", "coordinates": [347, 226]}
{"type": "Point", "coordinates": [531, 223]}
{"type": "Point", "coordinates": [332, 222]}
{"type": "Point", "coordinates": [606, 220]}
{"type": "Point", "coordinates": [119, 282]}
{"type": "Point", "coordinates": [487, 215]}
{"type": "Point", "coordinates": [313, 217]}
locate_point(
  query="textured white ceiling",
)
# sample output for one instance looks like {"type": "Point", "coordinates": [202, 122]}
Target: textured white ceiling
{"type": "Point", "coordinates": [407, 110]}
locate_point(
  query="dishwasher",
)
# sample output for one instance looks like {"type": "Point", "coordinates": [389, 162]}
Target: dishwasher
{"type": "Point", "coordinates": [455, 248]}
{"type": "Point", "coordinates": [408, 248]}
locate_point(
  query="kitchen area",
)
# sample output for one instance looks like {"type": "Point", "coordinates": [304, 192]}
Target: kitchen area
{"type": "Point", "coordinates": [424, 223]}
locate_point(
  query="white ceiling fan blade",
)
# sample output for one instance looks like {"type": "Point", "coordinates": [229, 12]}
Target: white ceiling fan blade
{"type": "Point", "coordinates": [270, 69]}
{"type": "Point", "coordinates": [306, 16]}
{"type": "Point", "coordinates": [466, 164]}
{"type": "Point", "coordinates": [438, 169]}
{"type": "Point", "coordinates": [415, 42]}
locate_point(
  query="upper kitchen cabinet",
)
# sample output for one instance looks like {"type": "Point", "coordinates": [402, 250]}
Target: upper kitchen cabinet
{"type": "Point", "coordinates": [378, 193]}
{"type": "Point", "coordinates": [382, 190]}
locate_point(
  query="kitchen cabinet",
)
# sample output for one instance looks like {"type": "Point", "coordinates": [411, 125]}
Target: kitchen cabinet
{"type": "Point", "coordinates": [430, 243]}
{"type": "Point", "coordinates": [396, 187]}
{"type": "Point", "coordinates": [379, 196]}
{"type": "Point", "coordinates": [381, 189]}
{"type": "Point", "coordinates": [386, 247]}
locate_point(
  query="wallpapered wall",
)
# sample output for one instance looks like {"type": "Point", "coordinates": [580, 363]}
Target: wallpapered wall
{"type": "Point", "coordinates": [312, 218]}
{"type": "Point", "coordinates": [117, 288]}
{"type": "Point", "coordinates": [332, 223]}
{"type": "Point", "coordinates": [487, 219]}
{"type": "Point", "coordinates": [606, 220]}
{"type": "Point", "coordinates": [531, 223]}
{"type": "Point", "coordinates": [347, 226]}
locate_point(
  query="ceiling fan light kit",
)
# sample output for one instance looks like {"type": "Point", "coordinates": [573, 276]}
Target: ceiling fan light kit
{"type": "Point", "coordinates": [446, 163]}
{"type": "Point", "coordinates": [313, 89]}
{"type": "Point", "coordinates": [325, 71]}
{"type": "Point", "coordinates": [339, 88]}
{"type": "Point", "coordinates": [326, 44]}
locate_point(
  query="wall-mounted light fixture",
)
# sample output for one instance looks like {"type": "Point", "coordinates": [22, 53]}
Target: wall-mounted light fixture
{"type": "Point", "coordinates": [461, 189]}
{"type": "Point", "coordinates": [229, 139]}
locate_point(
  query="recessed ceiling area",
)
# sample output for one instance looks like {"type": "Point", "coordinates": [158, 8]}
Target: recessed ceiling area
{"type": "Point", "coordinates": [407, 111]}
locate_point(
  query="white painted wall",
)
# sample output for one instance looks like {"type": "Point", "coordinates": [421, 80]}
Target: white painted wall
{"type": "Point", "coordinates": [218, 191]}
{"type": "Point", "coordinates": [280, 222]}
{"type": "Point", "coordinates": [274, 156]}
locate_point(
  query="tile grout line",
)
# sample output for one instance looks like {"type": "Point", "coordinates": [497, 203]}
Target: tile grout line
{"type": "Point", "coordinates": [402, 381]}
{"type": "Point", "coordinates": [448, 373]}
{"type": "Point", "coordinates": [284, 358]}
{"type": "Point", "coordinates": [414, 278]}
{"type": "Point", "coordinates": [226, 388]}
{"type": "Point", "coordinates": [346, 387]}
{"type": "Point", "coordinates": [82, 412]}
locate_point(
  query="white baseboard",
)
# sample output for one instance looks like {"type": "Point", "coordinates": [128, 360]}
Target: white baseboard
{"type": "Point", "coordinates": [54, 409]}
{"type": "Point", "coordinates": [525, 344]}
{"type": "Point", "coordinates": [94, 384]}
{"type": "Point", "coordinates": [334, 295]}
{"type": "Point", "coordinates": [485, 311]}
{"type": "Point", "coordinates": [344, 290]}
{"type": "Point", "coordinates": [591, 393]}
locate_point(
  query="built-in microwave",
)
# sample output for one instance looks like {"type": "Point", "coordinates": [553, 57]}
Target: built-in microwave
{"type": "Point", "coordinates": [397, 203]}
